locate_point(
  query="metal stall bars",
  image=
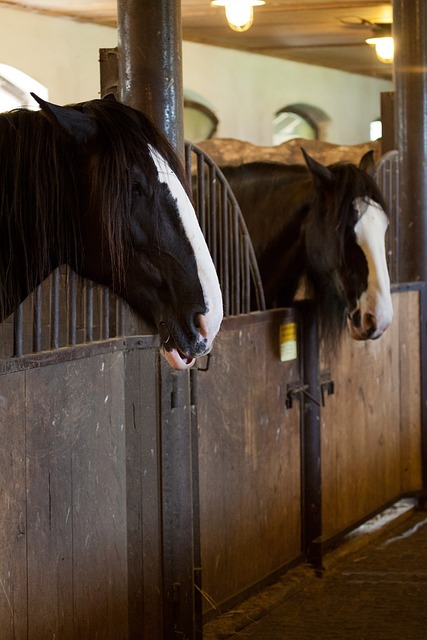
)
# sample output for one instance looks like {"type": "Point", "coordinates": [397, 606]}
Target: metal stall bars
{"type": "Point", "coordinates": [226, 234]}
{"type": "Point", "coordinates": [63, 311]}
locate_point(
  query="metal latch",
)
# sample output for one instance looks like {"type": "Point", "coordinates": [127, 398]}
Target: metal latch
{"type": "Point", "coordinates": [295, 389]}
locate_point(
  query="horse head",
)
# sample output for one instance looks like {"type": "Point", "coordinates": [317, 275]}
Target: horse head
{"type": "Point", "coordinates": [137, 228]}
{"type": "Point", "coordinates": [345, 241]}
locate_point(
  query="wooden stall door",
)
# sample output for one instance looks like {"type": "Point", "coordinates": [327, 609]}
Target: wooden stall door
{"type": "Point", "coordinates": [96, 502]}
{"type": "Point", "coordinates": [249, 460]}
{"type": "Point", "coordinates": [371, 426]}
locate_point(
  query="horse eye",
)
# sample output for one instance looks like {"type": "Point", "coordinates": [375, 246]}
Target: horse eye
{"type": "Point", "coordinates": [137, 188]}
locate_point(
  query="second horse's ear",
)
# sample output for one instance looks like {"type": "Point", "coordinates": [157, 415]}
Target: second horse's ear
{"type": "Point", "coordinates": [367, 163]}
{"type": "Point", "coordinates": [78, 125]}
{"type": "Point", "coordinates": [318, 171]}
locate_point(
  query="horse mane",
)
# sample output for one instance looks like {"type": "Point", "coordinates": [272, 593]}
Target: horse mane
{"type": "Point", "coordinates": [39, 190]}
{"type": "Point", "coordinates": [34, 167]}
{"type": "Point", "coordinates": [349, 183]}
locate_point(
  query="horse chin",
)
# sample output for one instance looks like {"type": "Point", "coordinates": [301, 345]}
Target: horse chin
{"type": "Point", "coordinates": [178, 360]}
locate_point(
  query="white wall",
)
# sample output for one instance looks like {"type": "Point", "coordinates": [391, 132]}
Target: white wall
{"type": "Point", "coordinates": [243, 89]}
{"type": "Point", "coordinates": [259, 86]}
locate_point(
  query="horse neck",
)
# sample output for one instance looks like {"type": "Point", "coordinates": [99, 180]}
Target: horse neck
{"type": "Point", "coordinates": [35, 208]}
{"type": "Point", "coordinates": [283, 242]}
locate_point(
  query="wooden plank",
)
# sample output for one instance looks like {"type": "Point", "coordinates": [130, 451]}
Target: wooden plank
{"type": "Point", "coordinates": [177, 504]}
{"type": "Point", "coordinates": [249, 459]}
{"type": "Point", "coordinates": [410, 390]}
{"type": "Point", "coordinates": [99, 500]}
{"type": "Point", "coordinates": [144, 518]}
{"type": "Point", "coordinates": [13, 525]}
{"type": "Point", "coordinates": [49, 505]}
{"type": "Point", "coordinates": [77, 565]}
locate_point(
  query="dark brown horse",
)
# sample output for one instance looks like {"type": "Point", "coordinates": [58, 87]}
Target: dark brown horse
{"type": "Point", "coordinates": [97, 186]}
{"type": "Point", "coordinates": [324, 227]}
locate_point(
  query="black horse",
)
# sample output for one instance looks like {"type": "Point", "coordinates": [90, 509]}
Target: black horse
{"type": "Point", "coordinates": [96, 186]}
{"type": "Point", "coordinates": [323, 227]}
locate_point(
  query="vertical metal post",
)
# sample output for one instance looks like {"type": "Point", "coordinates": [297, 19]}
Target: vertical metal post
{"type": "Point", "coordinates": [410, 35]}
{"type": "Point", "coordinates": [311, 439]}
{"type": "Point", "coordinates": [150, 62]}
{"type": "Point", "coordinates": [150, 79]}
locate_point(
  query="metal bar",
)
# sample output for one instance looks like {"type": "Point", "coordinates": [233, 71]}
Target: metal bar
{"type": "Point", "coordinates": [188, 154]}
{"type": "Point", "coordinates": [311, 442]}
{"type": "Point", "coordinates": [201, 199]}
{"type": "Point", "coordinates": [120, 317]}
{"type": "Point", "coordinates": [213, 240]}
{"type": "Point", "coordinates": [88, 320]}
{"type": "Point", "coordinates": [37, 320]}
{"type": "Point", "coordinates": [18, 321]}
{"type": "Point", "coordinates": [54, 310]}
{"type": "Point", "coordinates": [72, 308]}
{"type": "Point", "coordinates": [105, 328]}
{"type": "Point", "coordinates": [236, 255]}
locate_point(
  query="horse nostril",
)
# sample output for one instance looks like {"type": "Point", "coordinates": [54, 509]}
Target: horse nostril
{"type": "Point", "coordinates": [370, 321]}
{"type": "Point", "coordinates": [200, 324]}
{"type": "Point", "coordinates": [356, 318]}
{"type": "Point", "coordinates": [369, 324]}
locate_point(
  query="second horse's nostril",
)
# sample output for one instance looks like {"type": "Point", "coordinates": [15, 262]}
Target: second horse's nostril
{"type": "Point", "coordinates": [370, 321]}
{"type": "Point", "coordinates": [356, 318]}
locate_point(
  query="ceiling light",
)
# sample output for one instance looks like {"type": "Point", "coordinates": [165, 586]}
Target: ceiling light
{"type": "Point", "coordinates": [239, 13]}
{"type": "Point", "coordinates": [383, 42]}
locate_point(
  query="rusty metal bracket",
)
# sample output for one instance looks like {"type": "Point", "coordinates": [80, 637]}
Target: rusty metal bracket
{"type": "Point", "coordinates": [208, 362]}
{"type": "Point", "coordinates": [295, 389]}
{"type": "Point", "coordinates": [327, 385]}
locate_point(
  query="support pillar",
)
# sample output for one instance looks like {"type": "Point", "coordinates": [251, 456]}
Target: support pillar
{"type": "Point", "coordinates": [410, 35]}
{"type": "Point", "coordinates": [150, 62]}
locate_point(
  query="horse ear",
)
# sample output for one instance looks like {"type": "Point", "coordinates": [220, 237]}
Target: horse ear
{"type": "Point", "coordinates": [318, 171]}
{"type": "Point", "coordinates": [81, 127]}
{"type": "Point", "coordinates": [367, 163]}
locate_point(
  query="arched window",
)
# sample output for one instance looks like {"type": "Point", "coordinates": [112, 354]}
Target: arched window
{"type": "Point", "coordinates": [299, 121]}
{"type": "Point", "coordinates": [200, 122]}
{"type": "Point", "coordinates": [15, 87]}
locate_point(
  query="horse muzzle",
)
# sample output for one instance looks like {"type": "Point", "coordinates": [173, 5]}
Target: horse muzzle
{"type": "Point", "coordinates": [182, 348]}
{"type": "Point", "coordinates": [366, 326]}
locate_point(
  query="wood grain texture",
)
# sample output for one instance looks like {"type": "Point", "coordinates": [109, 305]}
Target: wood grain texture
{"type": "Point", "coordinates": [371, 426]}
{"type": "Point", "coordinates": [249, 459]}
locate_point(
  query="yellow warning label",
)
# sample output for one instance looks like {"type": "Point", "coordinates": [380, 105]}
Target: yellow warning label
{"type": "Point", "coordinates": [288, 341]}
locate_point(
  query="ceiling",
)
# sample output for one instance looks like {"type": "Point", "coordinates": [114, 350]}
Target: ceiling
{"type": "Point", "coordinates": [322, 32]}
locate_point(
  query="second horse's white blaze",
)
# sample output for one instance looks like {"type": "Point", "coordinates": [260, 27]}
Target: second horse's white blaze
{"type": "Point", "coordinates": [375, 304]}
{"type": "Point", "coordinates": [211, 321]}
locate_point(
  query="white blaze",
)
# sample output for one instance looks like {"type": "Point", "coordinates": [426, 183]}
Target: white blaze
{"type": "Point", "coordinates": [208, 277]}
{"type": "Point", "coordinates": [370, 236]}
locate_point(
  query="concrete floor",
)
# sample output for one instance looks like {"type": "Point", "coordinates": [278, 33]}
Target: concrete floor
{"type": "Point", "coordinates": [374, 588]}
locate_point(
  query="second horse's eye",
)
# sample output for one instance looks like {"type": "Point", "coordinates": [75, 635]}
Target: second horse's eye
{"type": "Point", "coordinates": [137, 189]}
